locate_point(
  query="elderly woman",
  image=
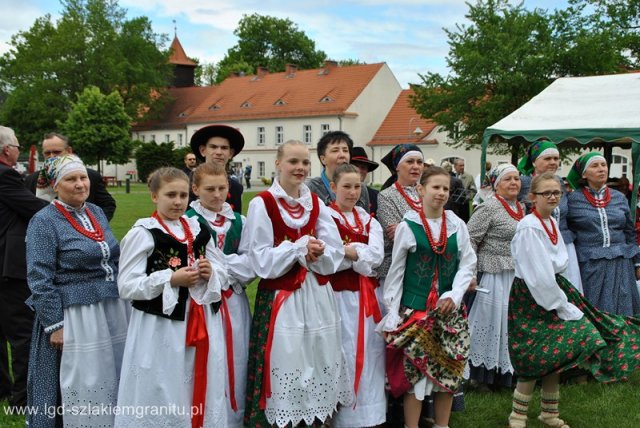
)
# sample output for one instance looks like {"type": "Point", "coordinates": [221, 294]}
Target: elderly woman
{"type": "Point", "coordinates": [605, 238]}
{"type": "Point", "coordinates": [491, 228]}
{"type": "Point", "coordinates": [543, 156]}
{"type": "Point", "coordinates": [80, 324]}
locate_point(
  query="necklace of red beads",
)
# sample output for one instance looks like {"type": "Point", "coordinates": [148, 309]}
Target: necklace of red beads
{"type": "Point", "coordinates": [441, 246]}
{"type": "Point", "coordinates": [516, 215]}
{"type": "Point", "coordinates": [415, 205]}
{"type": "Point", "coordinates": [358, 228]}
{"type": "Point", "coordinates": [188, 236]}
{"type": "Point", "coordinates": [553, 233]}
{"type": "Point", "coordinates": [597, 203]}
{"type": "Point", "coordinates": [97, 234]}
{"type": "Point", "coordinates": [296, 211]}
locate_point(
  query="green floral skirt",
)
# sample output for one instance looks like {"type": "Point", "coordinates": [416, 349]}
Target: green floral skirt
{"type": "Point", "coordinates": [540, 343]}
{"type": "Point", "coordinates": [435, 346]}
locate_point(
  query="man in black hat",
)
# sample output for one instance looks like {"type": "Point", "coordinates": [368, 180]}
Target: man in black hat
{"type": "Point", "coordinates": [219, 144]}
{"type": "Point", "coordinates": [360, 159]}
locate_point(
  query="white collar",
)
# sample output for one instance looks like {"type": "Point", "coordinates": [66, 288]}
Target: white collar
{"type": "Point", "coordinates": [305, 195]}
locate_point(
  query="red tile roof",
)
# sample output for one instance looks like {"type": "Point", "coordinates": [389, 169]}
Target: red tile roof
{"type": "Point", "coordinates": [304, 93]}
{"type": "Point", "coordinates": [401, 123]}
{"type": "Point", "coordinates": [178, 56]}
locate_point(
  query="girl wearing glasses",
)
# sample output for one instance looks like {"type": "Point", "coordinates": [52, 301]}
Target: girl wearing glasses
{"type": "Point", "coordinates": [604, 237]}
{"type": "Point", "coordinates": [552, 328]}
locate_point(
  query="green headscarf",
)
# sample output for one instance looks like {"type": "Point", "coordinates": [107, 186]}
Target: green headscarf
{"type": "Point", "coordinates": [579, 166]}
{"type": "Point", "coordinates": [525, 166]}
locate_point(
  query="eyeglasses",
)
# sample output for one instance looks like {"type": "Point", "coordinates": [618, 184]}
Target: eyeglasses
{"type": "Point", "coordinates": [14, 145]}
{"type": "Point", "coordinates": [548, 194]}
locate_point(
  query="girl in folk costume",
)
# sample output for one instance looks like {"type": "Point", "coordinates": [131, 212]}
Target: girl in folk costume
{"type": "Point", "coordinates": [552, 328]}
{"type": "Point", "coordinates": [297, 371]}
{"type": "Point", "coordinates": [174, 358]}
{"type": "Point", "coordinates": [544, 156]}
{"type": "Point", "coordinates": [426, 326]}
{"type": "Point", "coordinates": [211, 185]}
{"type": "Point", "coordinates": [357, 292]}
{"type": "Point", "coordinates": [491, 229]}
{"type": "Point", "coordinates": [80, 325]}
{"type": "Point", "coordinates": [605, 237]}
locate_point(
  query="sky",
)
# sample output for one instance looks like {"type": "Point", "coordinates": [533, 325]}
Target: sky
{"type": "Point", "coordinates": [406, 34]}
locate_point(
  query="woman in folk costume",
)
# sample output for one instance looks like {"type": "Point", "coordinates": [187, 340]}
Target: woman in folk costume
{"type": "Point", "coordinates": [543, 156]}
{"type": "Point", "coordinates": [605, 240]}
{"type": "Point", "coordinates": [80, 325]}
{"type": "Point", "coordinates": [357, 295]}
{"type": "Point", "coordinates": [297, 370]}
{"type": "Point", "coordinates": [175, 356]}
{"type": "Point", "coordinates": [426, 327]}
{"type": "Point", "coordinates": [491, 229]}
{"type": "Point", "coordinates": [552, 327]}
{"type": "Point", "coordinates": [211, 186]}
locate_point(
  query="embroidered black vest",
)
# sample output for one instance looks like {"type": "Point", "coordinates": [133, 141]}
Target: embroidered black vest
{"type": "Point", "coordinates": [169, 253]}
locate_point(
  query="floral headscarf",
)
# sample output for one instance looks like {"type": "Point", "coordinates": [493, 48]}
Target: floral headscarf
{"type": "Point", "coordinates": [53, 170]}
{"type": "Point", "coordinates": [497, 173]}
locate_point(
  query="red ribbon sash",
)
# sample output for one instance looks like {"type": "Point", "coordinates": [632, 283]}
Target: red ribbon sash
{"type": "Point", "coordinates": [368, 307]}
{"type": "Point", "coordinates": [198, 337]}
{"type": "Point", "coordinates": [228, 337]}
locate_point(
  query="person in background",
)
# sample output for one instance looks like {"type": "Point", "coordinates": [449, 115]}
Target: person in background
{"type": "Point", "coordinates": [53, 145]}
{"type": "Point", "coordinates": [360, 159]}
{"type": "Point", "coordinates": [247, 175]}
{"type": "Point", "coordinates": [81, 324]}
{"type": "Point", "coordinates": [458, 202]}
{"type": "Point", "coordinates": [334, 148]}
{"type": "Point", "coordinates": [219, 144]}
{"type": "Point", "coordinates": [485, 190]}
{"type": "Point", "coordinates": [190, 163]}
{"type": "Point", "coordinates": [467, 179]}
{"type": "Point", "coordinates": [605, 239]}
{"type": "Point", "coordinates": [17, 207]}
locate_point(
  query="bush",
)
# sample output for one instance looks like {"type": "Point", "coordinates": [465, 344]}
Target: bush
{"type": "Point", "coordinates": [151, 156]}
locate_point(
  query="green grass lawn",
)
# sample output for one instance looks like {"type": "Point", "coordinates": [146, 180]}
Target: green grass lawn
{"type": "Point", "coordinates": [582, 406]}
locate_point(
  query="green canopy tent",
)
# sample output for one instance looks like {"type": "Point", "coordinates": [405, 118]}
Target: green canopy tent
{"type": "Point", "coordinates": [595, 111]}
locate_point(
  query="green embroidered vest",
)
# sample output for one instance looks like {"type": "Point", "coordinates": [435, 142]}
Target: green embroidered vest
{"type": "Point", "coordinates": [232, 238]}
{"type": "Point", "coordinates": [421, 267]}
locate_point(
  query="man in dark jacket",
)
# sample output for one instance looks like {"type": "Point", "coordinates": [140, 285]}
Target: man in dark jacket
{"type": "Point", "coordinates": [17, 206]}
{"type": "Point", "coordinates": [55, 144]}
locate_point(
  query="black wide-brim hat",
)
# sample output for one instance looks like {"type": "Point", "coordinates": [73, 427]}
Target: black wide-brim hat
{"type": "Point", "coordinates": [202, 135]}
{"type": "Point", "coordinates": [359, 156]}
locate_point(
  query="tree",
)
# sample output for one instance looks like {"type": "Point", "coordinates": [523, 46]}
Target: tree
{"type": "Point", "coordinates": [98, 127]}
{"type": "Point", "coordinates": [151, 156]}
{"type": "Point", "coordinates": [90, 44]}
{"type": "Point", "coordinates": [504, 57]}
{"type": "Point", "coordinates": [266, 41]}
{"type": "Point", "coordinates": [205, 73]}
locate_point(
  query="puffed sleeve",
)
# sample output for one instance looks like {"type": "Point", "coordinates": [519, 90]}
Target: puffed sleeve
{"type": "Point", "coordinates": [479, 224]}
{"type": "Point", "coordinates": [257, 241]}
{"type": "Point", "coordinates": [536, 269]}
{"type": "Point", "coordinates": [239, 267]}
{"type": "Point", "coordinates": [466, 265]}
{"type": "Point", "coordinates": [42, 255]}
{"type": "Point", "coordinates": [370, 255]}
{"type": "Point", "coordinates": [404, 242]}
{"type": "Point", "coordinates": [133, 281]}
{"type": "Point", "coordinates": [327, 232]}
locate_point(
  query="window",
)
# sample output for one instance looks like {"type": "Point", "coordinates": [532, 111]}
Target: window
{"type": "Point", "coordinates": [260, 169]}
{"type": "Point", "coordinates": [279, 135]}
{"type": "Point", "coordinates": [306, 134]}
{"type": "Point", "coordinates": [325, 129]}
{"type": "Point", "coordinates": [166, 138]}
{"type": "Point", "coordinates": [143, 138]}
{"type": "Point", "coordinates": [261, 136]}
{"type": "Point", "coordinates": [180, 140]}
{"type": "Point", "coordinates": [619, 166]}
{"type": "Point", "coordinates": [153, 137]}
